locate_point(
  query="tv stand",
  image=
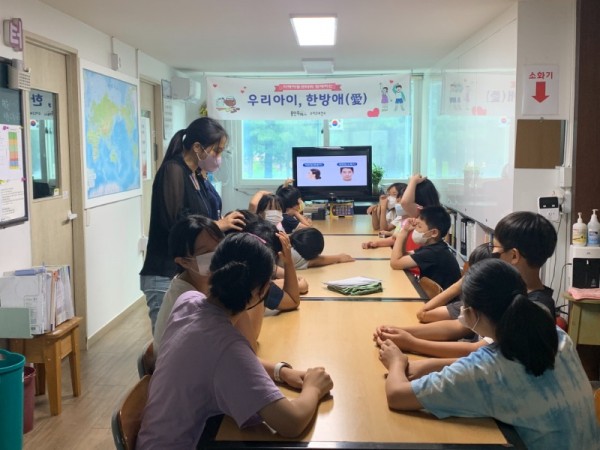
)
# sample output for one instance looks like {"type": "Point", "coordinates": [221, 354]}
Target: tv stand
{"type": "Point", "coordinates": [360, 203]}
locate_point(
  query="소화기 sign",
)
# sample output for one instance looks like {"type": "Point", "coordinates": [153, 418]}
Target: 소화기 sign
{"type": "Point", "coordinates": [540, 90]}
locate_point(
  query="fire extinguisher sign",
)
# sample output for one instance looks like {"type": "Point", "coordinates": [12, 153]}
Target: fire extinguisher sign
{"type": "Point", "coordinates": [540, 90]}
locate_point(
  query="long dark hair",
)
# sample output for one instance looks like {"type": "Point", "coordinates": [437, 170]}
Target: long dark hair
{"type": "Point", "coordinates": [524, 331]}
{"type": "Point", "coordinates": [204, 130]}
{"type": "Point", "coordinates": [241, 263]}
{"type": "Point", "coordinates": [426, 194]}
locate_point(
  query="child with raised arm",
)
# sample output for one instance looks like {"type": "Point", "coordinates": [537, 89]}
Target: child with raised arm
{"type": "Point", "coordinates": [433, 258]}
{"type": "Point", "coordinates": [292, 206]}
{"type": "Point", "coordinates": [208, 368]}
{"type": "Point", "coordinates": [530, 377]}
{"type": "Point", "coordinates": [523, 239]}
{"type": "Point", "coordinates": [420, 192]}
{"type": "Point", "coordinates": [386, 215]}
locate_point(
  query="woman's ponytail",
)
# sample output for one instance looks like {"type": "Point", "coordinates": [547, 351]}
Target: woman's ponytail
{"type": "Point", "coordinates": [176, 145]}
{"type": "Point", "coordinates": [527, 333]}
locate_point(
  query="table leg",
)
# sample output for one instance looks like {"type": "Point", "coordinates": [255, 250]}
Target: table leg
{"type": "Point", "coordinates": [40, 378]}
{"type": "Point", "coordinates": [74, 362]}
{"type": "Point", "coordinates": [574, 321]}
{"type": "Point", "coordinates": [53, 374]}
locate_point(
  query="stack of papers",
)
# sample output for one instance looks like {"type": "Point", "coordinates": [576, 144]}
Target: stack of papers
{"type": "Point", "coordinates": [355, 286]}
{"type": "Point", "coordinates": [45, 292]}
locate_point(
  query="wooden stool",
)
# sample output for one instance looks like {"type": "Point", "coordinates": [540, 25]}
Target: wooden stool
{"type": "Point", "coordinates": [46, 351]}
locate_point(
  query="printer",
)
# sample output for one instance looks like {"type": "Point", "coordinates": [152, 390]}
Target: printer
{"type": "Point", "coordinates": [585, 267]}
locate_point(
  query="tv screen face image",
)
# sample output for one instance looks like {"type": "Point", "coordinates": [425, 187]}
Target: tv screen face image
{"type": "Point", "coordinates": [331, 170]}
{"type": "Point", "coordinates": [343, 171]}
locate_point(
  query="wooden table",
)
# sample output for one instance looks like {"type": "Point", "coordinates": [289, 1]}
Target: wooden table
{"type": "Point", "coordinates": [397, 284]}
{"type": "Point", "coordinates": [46, 351]}
{"type": "Point", "coordinates": [338, 336]}
{"type": "Point", "coordinates": [357, 225]}
{"type": "Point", "coordinates": [584, 321]}
{"type": "Point", "coordinates": [352, 245]}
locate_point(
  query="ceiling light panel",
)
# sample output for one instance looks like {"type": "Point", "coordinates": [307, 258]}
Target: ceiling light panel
{"type": "Point", "coordinates": [314, 30]}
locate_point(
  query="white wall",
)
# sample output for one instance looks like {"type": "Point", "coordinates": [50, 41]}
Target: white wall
{"type": "Point", "coordinates": [547, 35]}
{"type": "Point", "coordinates": [112, 231]}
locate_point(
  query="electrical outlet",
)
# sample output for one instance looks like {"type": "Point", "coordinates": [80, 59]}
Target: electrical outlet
{"type": "Point", "coordinates": [548, 207]}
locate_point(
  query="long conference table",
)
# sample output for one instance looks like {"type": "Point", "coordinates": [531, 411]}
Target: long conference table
{"type": "Point", "coordinates": [335, 332]}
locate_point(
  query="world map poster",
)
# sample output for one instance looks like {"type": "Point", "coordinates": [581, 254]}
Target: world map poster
{"type": "Point", "coordinates": [111, 134]}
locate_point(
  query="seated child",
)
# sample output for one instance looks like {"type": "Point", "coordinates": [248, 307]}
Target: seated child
{"type": "Point", "coordinates": [207, 367]}
{"type": "Point", "coordinates": [286, 286]}
{"type": "Point", "coordinates": [269, 208]}
{"type": "Point", "coordinates": [446, 305]}
{"type": "Point", "coordinates": [434, 258]}
{"type": "Point", "coordinates": [420, 192]}
{"type": "Point", "coordinates": [292, 206]}
{"type": "Point", "coordinates": [386, 215]}
{"type": "Point", "coordinates": [523, 239]}
{"type": "Point", "coordinates": [530, 378]}
{"type": "Point", "coordinates": [253, 204]}
{"type": "Point", "coordinates": [307, 248]}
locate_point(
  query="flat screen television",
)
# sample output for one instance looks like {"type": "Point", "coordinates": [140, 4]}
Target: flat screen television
{"type": "Point", "coordinates": [342, 171]}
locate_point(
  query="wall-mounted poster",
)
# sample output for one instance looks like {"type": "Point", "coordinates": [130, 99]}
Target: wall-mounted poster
{"type": "Point", "coordinates": [111, 134]}
{"type": "Point", "coordinates": [13, 199]}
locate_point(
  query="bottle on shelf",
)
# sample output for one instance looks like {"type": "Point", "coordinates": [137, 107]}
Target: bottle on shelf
{"type": "Point", "coordinates": [579, 235]}
{"type": "Point", "coordinates": [593, 230]}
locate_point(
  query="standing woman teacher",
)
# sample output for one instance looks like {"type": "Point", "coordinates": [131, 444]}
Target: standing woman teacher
{"type": "Point", "coordinates": [181, 188]}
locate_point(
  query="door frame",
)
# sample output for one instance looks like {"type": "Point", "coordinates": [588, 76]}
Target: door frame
{"type": "Point", "coordinates": [78, 270]}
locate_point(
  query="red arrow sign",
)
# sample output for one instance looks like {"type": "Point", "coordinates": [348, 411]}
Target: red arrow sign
{"type": "Point", "coordinates": [540, 91]}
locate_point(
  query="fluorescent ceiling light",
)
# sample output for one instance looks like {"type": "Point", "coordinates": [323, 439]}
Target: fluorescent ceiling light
{"type": "Point", "coordinates": [318, 66]}
{"type": "Point", "coordinates": [314, 30]}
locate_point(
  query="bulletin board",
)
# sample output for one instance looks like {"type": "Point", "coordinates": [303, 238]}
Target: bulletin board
{"type": "Point", "coordinates": [13, 181]}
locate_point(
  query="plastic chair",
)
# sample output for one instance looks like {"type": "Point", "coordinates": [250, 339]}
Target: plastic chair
{"type": "Point", "coordinates": [146, 360]}
{"type": "Point", "coordinates": [430, 287]}
{"type": "Point", "coordinates": [127, 419]}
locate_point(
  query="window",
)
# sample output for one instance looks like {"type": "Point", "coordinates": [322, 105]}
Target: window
{"type": "Point", "coordinates": [461, 143]}
{"type": "Point", "coordinates": [267, 146]}
{"type": "Point", "coordinates": [44, 144]}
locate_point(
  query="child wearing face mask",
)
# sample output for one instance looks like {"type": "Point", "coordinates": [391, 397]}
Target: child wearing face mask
{"type": "Point", "coordinates": [531, 377]}
{"type": "Point", "coordinates": [269, 208]}
{"type": "Point", "coordinates": [433, 258]}
{"type": "Point", "coordinates": [523, 239]}
{"type": "Point", "coordinates": [192, 243]}
{"type": "Point", "coordinates": [387, 214]}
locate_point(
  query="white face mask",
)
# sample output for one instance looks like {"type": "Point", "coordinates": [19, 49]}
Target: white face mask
{"type": "Point", "coordinates": [274, 216]}
{"type": "Point", "coordinates": [203, 262]}
{"type": "Point", "coordinates": [419, 238]}
{"type": "Point", "coordinates": [463, 321]}
{"type": "Point", "coordinates": [399, 210]}
{"type": "Point", "coordinates": [391, 202]}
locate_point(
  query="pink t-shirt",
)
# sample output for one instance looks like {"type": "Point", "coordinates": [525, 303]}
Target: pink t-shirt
{"type": "Point", "coordinates": [205, 368]}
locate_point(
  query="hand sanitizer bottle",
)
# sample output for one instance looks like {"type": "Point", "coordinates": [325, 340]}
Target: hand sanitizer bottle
{"type": "Point", "coordinates": [579, 235]}
{"type": "Point", "coordinates": [593, 230]}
